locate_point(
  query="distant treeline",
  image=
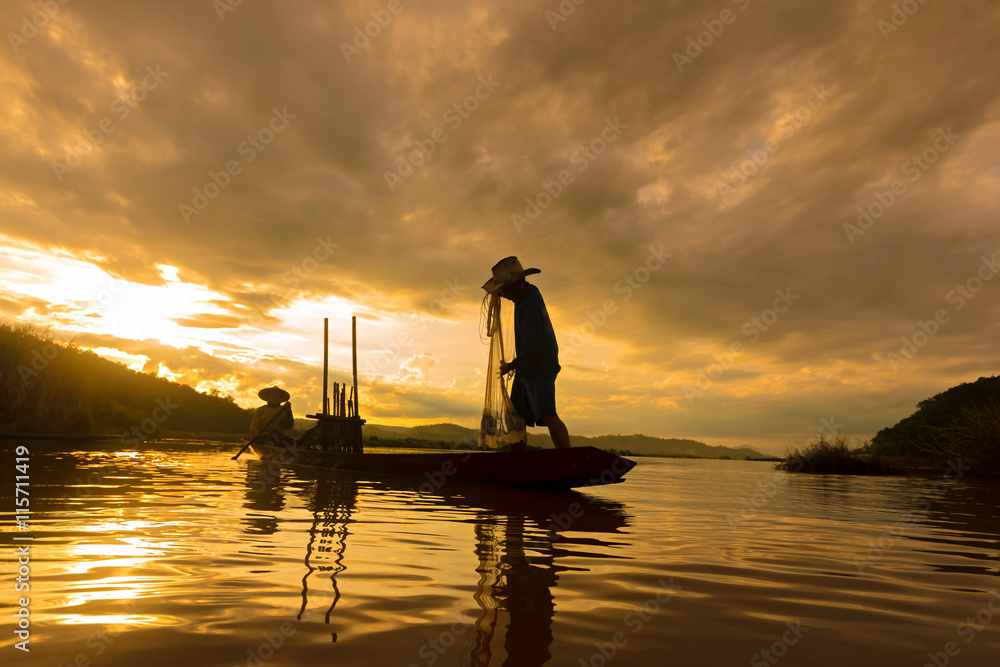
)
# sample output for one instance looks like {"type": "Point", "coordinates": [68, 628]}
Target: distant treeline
{"type": "Point", "coordinates": [453, 435]}
{"type": "Point", "coordinates": [47, 386]}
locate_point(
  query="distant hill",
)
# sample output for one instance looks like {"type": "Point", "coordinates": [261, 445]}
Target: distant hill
{"type": "Point", "coordinates": [645, 444]}
{"type": "Point", "coordinates": [448, 433]}
{"type": "Point", "coordinates": [637, 444]}
{"type": "Point", "coordinates": [50, 387]}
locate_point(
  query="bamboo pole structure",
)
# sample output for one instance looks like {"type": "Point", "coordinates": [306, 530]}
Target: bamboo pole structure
{"type": "Point", "coordinates": [354, 359]}
{"type": "Point", "coordinates": [326, 364]}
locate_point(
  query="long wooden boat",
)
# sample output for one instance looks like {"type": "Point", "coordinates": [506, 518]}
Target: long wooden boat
{"type": "Point", "coordinates": [546, 468]}
{"type": "Point", "coordinates": [336, 443]}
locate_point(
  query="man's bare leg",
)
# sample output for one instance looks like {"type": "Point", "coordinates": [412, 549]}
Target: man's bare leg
{"type": "Point", "coordinates": [558, 431]}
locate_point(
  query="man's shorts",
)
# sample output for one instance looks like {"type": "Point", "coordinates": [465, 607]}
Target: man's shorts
{"type": "Point", "coordinates": [534, 399]}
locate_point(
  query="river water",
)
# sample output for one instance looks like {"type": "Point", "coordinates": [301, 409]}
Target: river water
{"type": "Point", "coordinates": [185, 557]}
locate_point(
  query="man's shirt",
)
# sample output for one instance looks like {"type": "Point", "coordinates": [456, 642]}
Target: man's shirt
{"type": "Point", "coordinates": [534, 339]}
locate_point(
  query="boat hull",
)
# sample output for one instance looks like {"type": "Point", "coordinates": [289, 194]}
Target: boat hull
{"type": "Point", "coordinates": [548, 468]}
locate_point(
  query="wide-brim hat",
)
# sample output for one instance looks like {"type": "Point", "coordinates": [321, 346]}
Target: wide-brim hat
{"type": "Point", "coordinates": [505, 272]}
{"type": "Point", "coordinates": [274, 395]}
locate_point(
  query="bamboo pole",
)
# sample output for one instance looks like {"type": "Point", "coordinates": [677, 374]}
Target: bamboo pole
{"type": "Point", "coordinates": [354, 359]}
{"type": "Point", "coordinates": [326, 364]}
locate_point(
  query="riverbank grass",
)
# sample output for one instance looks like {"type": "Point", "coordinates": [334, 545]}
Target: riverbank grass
{"type": "Point", "coordinates": [836, 457]}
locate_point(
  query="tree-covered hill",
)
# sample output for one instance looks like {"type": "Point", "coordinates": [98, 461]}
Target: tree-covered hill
{"type": "Point", "coordinates": [52, 387]}
{"type": "Point", "coordinates": [961, 422]}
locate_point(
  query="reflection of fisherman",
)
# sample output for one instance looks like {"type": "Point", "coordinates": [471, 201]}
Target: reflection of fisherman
{"type": "Point", "coordinates": [533, 392]}
{"type": "Point", "coordinates": [276, 416]}
{"type": "Point", "coordinates": [511, 583]}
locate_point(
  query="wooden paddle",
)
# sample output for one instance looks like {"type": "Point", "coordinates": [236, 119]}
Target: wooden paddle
{"type": "Point", "coordinates": [262, 431]}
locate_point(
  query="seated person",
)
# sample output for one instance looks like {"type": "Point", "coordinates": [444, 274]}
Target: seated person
{"type": "Point", "coordinates": [272, 420]}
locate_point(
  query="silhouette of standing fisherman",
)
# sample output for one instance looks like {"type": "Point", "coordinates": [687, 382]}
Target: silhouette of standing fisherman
{"type": "Point", "coordinates": [536, 363]}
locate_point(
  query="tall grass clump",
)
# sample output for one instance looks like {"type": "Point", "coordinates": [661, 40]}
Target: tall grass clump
{"type": "Point", "coordinates": [973, 437]}
{"type": "Point", "coordinates": [834, 457]}
{"type": "Point", "coordinates": [32, 399]}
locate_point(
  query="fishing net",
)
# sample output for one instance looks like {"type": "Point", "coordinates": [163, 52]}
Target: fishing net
{"type": "Point", "coordinates": [501, 425]}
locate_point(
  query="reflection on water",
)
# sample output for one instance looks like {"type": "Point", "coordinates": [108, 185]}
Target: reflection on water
{"type": "Point", "coordinates": [514, 589]}
{"type": "Point", "coordinates": [516, 568]}
{"type": "Point", "coordinates": [332, 504]}
{"type": "Point", "coordinates": [158, 557]}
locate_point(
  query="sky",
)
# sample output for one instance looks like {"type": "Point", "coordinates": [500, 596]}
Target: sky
{"type": "Point", "coordinates": [755, 221]}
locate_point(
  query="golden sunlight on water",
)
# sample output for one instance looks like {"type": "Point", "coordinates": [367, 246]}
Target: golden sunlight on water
{"type": "Point", "coordinates": [186, 557]}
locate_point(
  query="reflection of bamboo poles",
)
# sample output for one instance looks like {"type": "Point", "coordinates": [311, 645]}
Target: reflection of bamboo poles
{"type": "Point", "coordinates": [309, 570]}
{"type": "Point", "coordinates": [488, 550]}
{"type": "Point", "coordinates": [338, 563]}
{"type": "Point", "coordinates": [333, 507]}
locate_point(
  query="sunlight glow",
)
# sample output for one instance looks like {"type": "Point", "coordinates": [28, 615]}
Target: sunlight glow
{"type": "Point", "coordinates": [136, 362]}
{"type": "Point", "coordinates": [165, 372]}
{"type": "Point", "coordinates": [168, 272]}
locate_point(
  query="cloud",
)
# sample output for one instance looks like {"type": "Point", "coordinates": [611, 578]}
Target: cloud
{"type": "Point", "coordinates": [261, 124]}
{"type": "Point", "coordinates": [416, 369]}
